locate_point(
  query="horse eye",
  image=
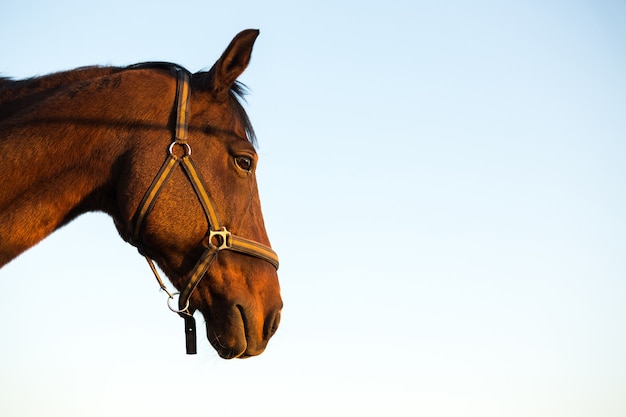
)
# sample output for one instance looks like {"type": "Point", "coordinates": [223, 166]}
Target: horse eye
{"type": "Point", "coordinates": [244, 163]}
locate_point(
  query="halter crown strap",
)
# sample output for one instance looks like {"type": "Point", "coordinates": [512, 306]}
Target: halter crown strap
{"type": "Point", "coordinates": [182, 105]}
{"type": "Point", "coordinates": [219, 238]}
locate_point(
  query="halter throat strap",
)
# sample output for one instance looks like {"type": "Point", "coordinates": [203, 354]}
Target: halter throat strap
{"type": "Point", "coordinates": [218, 238]}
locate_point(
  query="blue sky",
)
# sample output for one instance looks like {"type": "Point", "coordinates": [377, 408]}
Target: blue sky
{"type": "Point", "coordinates": [444, 184]}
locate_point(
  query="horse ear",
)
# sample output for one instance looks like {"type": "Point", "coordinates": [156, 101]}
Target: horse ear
{"type": "Point", "coordinates": [231, 64]}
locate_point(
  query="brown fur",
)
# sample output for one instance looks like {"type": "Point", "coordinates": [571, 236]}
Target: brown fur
{"type": "Point", "coordinates": [93, 139]}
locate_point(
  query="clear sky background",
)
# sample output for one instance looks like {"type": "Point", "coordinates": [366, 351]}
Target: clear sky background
{"type": "Point", "coordinates": [444, 184]}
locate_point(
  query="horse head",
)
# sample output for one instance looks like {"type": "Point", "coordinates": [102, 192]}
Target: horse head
{"type": "Point", "coordinates": [237, 292]}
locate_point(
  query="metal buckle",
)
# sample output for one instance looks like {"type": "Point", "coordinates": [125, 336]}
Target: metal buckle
{"type": "Point", "coordinates": [224, 239]}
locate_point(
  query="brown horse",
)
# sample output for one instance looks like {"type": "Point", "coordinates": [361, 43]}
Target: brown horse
{"type": "Point", "coordinates": [120, 140]}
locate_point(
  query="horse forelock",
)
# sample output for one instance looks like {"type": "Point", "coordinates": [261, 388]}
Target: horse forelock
{"type": "Point", "coordinates": [238, 94]}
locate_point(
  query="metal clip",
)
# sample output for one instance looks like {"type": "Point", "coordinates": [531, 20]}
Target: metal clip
{"type": "Point", "coordinates": [174, 309]}
{"type": "Point", "coordinates": [224, 239]}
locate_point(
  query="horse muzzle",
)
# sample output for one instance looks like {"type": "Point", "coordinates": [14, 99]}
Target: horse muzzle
{"type": "Point", "coordinates": [241, 331]}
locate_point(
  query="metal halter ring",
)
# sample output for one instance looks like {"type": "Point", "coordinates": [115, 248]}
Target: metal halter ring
{"type": "Point", "coordinates": [185, 145]}
{"type": "Point", "coordinates": [175, 310]}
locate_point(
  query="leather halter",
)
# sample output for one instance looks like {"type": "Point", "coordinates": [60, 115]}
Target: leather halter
{"type": "Point", "coordinates": [218, 238]}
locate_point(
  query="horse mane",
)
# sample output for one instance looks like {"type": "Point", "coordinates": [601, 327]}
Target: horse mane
{"type": "Point", "coordinates": [16, 95]}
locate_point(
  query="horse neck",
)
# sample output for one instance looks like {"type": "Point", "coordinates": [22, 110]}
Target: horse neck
{"type": "Point", "coordinates": [62, 153]}
{"type": "Point", "coordinates": [47, 185]}
{"type": "Point", "coordinates": [52, 172]}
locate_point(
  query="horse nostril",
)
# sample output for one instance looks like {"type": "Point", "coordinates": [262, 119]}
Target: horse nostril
{"type": "Point", "coordinates": [271, 324]}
